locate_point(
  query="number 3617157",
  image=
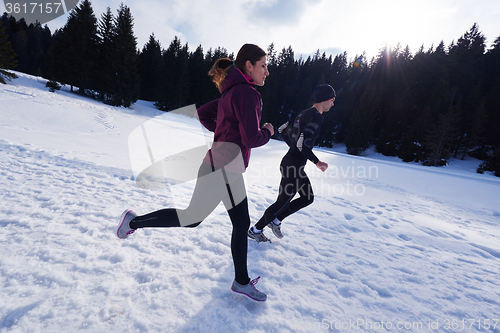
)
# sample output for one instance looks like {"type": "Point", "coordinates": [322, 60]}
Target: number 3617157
{"type": "Point", "coordinates": [33, 8]}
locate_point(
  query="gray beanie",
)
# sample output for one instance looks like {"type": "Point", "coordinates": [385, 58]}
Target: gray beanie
{"type": "Point", "coordinates": [322, 93]}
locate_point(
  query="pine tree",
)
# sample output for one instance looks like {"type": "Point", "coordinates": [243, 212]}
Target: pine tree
{"type": "Point", "coordinates": [150, 68]}
{"type": "Point", "coordinates": [491, 146]}
{"type": "Point", "coordinates": [175, 85]}
{"type": "Point", "coordinates": [7, 57]}
{"type": "Point", "coordinates": [30, 44]}
{"type": "Point", "coordinates": [270, 89]}
{"type": "Point", "coordinates": [107, 54]}
{"type": "Point", "coordinates": [440, 137]}
{"type": "Point", "coordinates": [47, 42]}
{"type": "Point", "coordinates": [281, 89]}
{"type": "Point", "coordinates": [349, 86]}
{"type": "Point", "coordinates": [17, 31]}
{"type": "Point", "coordinates": [471, 127]}
{"type": "Point", "coordinates": [73, 56]}
{"type": "Point", "coordinates": [391, 78]}
{"type": "Point", "coordinates": [467, 61]}
{"type": "Point", "coordinates": [35, 49]}
{"type": "Point", "coordinates": [271, 56]}
{"type": "Point", "coordinates": [362, 123]}
{"type": "Point", "coordinates": [201, 86]}
{"type": "Point", "coordinates": [125, 44]}
{"type": "Point", "coordinates": [55, 64]}
{"type": "Point", "coordinates": [82, 46]}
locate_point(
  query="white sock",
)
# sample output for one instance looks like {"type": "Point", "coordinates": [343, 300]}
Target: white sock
{"type": "Point", "coordinates": [277, 222]}
{"type": "Point", "coordinates": [255, 230]}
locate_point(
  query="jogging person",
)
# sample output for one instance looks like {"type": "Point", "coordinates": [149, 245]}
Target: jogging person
{"type": "Point", "coordinates": [234, 118]}
{"type": "Point", "coordinates": [294, 180]}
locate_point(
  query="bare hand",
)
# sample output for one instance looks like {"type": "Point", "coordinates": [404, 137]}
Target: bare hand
{"type": "Point", "coordinates": [269, 127]}
{"type": "Point", "coordinates": [322, 166]}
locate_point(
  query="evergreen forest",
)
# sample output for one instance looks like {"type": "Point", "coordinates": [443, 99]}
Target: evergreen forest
{"type": "Point", "coordinates": [427, 107]}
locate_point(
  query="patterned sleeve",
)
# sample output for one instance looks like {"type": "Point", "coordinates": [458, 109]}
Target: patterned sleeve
{"type": "Point", "coordinates": [305, 142]}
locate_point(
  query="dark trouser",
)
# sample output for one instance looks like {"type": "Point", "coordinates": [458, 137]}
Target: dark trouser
{"type": "Point", "coordinates": [293, 180]}
{"type": "Point", "coordinates": [212, 187]}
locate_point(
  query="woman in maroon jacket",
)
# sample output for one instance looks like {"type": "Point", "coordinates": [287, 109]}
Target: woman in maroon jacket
{"type": "Point", "coordinates": [234, 118]}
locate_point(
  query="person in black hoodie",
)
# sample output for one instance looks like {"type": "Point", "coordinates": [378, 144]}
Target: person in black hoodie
{"type": "Point", "coordinates": [294, 180]}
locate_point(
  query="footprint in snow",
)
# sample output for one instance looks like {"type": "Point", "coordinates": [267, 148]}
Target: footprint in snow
{"type": "Point", "coordinates": [12, 318]}
{"type": "Point", "coordinates": [488, 250]}
{"type": "Point", "coordinates": [382, 292]}
{"type": "Point", "coordinates": [404, 237]}
{"type": "Point", "coordinates": [346, 292]}
{"type": "Point", "coordinates": [351, 228]}
{"type": "Point", "coordinates": [348, 217]}
{"type": "Point", "coordinates": [344, 270]}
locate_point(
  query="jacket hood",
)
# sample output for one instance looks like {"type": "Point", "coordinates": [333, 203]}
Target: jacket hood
{"type": "Point", "coordinates": [234, 77]}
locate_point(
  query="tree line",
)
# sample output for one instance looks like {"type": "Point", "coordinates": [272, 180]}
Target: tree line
{"type": "Point", "coordinates": [426, 107]}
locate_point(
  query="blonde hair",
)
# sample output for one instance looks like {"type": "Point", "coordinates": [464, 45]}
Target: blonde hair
{"type": "Point", "coordinates": [219, 70]}
{"type": "Point", "coordinates": [248, 52]}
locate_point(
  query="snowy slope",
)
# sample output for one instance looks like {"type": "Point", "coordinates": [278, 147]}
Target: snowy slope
{"type": "Point", "coordinates": [385, 244]}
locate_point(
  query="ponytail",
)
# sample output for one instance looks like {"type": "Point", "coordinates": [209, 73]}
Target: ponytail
{"type": "Point", "coordinates": [219, 70]}
{"type": "Point", "coordinates": [248, 52]}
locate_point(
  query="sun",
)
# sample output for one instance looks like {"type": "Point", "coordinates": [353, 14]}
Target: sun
{"type": "Point", "coordinates": [392, 24]}
{"type": "Point", "coordinates": [387, 23]}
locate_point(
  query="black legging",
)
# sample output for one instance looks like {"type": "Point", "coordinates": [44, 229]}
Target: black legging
{"type": "Point", "coordinates": [212, 187]}
{"type": "Point", "coordinates": [293, 180]}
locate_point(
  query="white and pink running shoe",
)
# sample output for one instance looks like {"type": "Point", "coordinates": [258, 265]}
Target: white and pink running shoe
{"type": "Point", "coordinates": [124, 229]}
{"type": "Point", "coordinates": [249, 290]}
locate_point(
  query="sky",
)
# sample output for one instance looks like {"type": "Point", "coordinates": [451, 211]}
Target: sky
{"type": "Point", "coordinates": [307, 25]}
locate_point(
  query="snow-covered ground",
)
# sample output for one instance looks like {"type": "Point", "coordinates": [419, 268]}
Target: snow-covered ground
{"type": "Point", "coordinates": [386, 246]}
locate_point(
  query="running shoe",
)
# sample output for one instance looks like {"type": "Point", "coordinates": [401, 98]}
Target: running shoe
{"type": "Point", "coordinates": [249, 290]}
{"type": "Point", "coordinates": [124, 229]}
{"type": "Point", "coordinates": [259, 237]}
{"type": "Point", "coordinates": [276, 228]}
